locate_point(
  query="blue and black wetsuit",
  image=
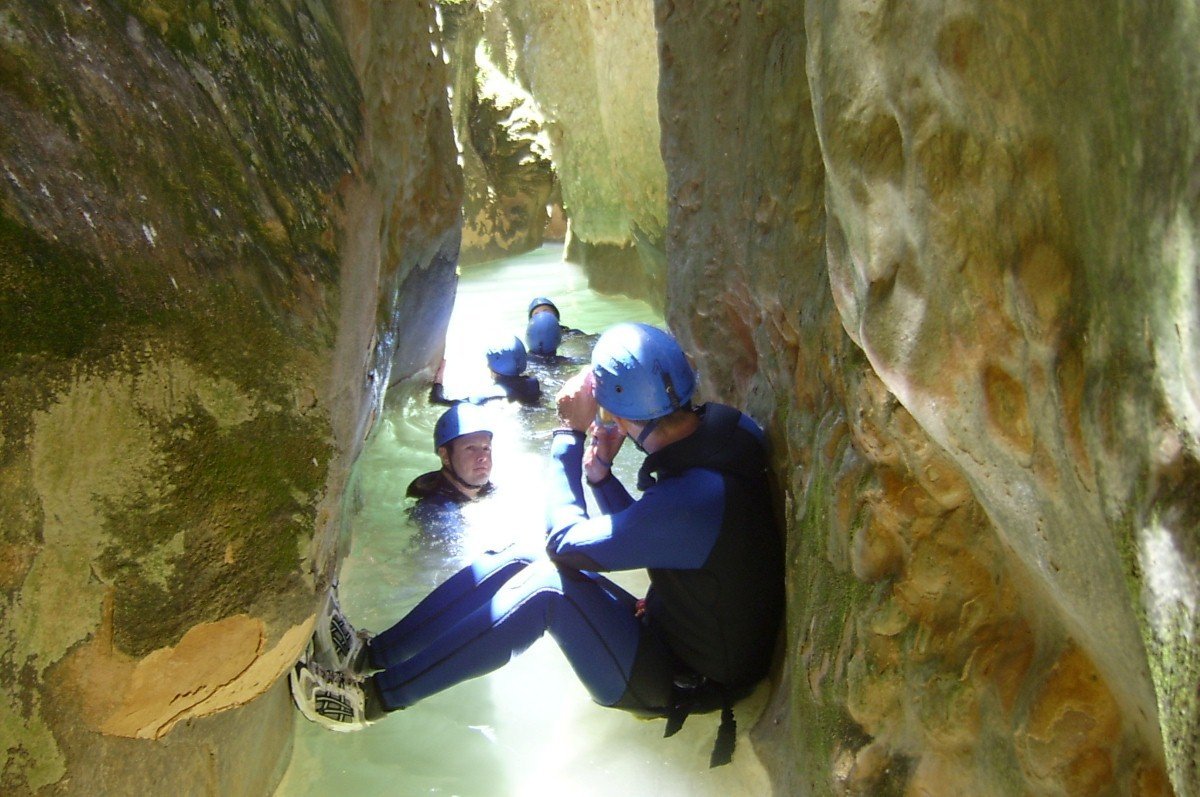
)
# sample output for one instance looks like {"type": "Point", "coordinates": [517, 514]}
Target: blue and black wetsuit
{"type": "Point", "coordinates": [438, 510]}
{"type": "Point", "coordinates": [705, 531]}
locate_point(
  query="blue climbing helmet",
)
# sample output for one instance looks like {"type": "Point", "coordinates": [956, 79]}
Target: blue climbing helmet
{"type": "Point", "coordinates": [543, 334]}
{"type": "Point", "coordinates": [542, 300]}
{"type": "Point", "coordinates": [507, 356]}
{"type": "Point", "coordinates": [641, 373]}
{"type": "Point", "coordinates": [459, 420]}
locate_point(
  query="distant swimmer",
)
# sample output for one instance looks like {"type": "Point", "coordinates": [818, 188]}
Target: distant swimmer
{"type": "Point", "coordinates": [542, 336]}
{"type": "Point", "coordinates": [552, 343]}
{"type": "Point", "coordinates": [507, 361]}
{"type": "Point", "coordinates": [541, 304]}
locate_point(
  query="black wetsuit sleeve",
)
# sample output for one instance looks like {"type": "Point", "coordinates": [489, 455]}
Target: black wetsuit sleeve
{"type": "Point", "coordinates": [531, 391]}
{"type": "Point", "coordinates": [437, 395]}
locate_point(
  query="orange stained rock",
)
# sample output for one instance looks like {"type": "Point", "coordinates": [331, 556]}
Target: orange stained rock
{"type": "Point", "coordinates": [1043, 279]}
{"type": "Point", "coordinates": [877, 552]}
{"type": "Point", "coordinates": [876, 699]}
{"type": "Point", "coordinates": [862, 772]}
{"type": "Point", "coordinates": [952, 718]}
{"type": "Point", "coordinates": [1072, 729]}
{"type": "Point", "coordinates": [1007, 409]}
{"type": "Point", "coordinates": [15, 561]}
{"type": "Point", "coordinates": [945, 483]}
{"type": "Point", "coordinates": [901, 499]}
{"type": "Point", "coordinates": [1003, 658]}
{"type": "Point", "coordinates": [1150, 780]}
{"type": "Point", "coordinates": [215, 666]}
{"type": "Point", "coordinates": [941, 775]}
{"type": "Point", "coordinates": [938, 581]}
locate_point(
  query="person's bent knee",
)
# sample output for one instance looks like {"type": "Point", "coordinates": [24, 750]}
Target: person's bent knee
{"type": "Point", "coordinates": [540, 575]}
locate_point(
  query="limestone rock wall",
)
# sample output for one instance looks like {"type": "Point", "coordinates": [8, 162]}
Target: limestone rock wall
{"type": "Point", "coordinates": [591, 66]}
{"type": "Point", "coordinates": [213, 216]}
{"type": "Point", "coordinates": [507, 173]}
{"type": "Point", "coordinates": [945, 251]}
{"type": "Point", "coordinates": [1060, 369]}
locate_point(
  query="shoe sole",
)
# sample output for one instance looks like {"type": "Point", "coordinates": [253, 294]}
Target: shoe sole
{"type": "Point", "coordinates": [310, 714]}
{"type": "Point", "coordinates": [333, 644]}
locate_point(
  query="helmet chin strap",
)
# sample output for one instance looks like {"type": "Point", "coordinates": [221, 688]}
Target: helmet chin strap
{"type": "Point", "coordinates": [646, 432]}
{"type": "Point", "coordinates": [448, 468]}
{"type": "Point", "coordinates": [650, 426]}
{"type": "Point", "coordinates": [459, 479]}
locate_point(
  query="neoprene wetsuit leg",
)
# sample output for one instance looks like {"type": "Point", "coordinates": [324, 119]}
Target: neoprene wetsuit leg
{"type": "Point", "coordinates": [453, 599]}
{"type": "Point", "coordinates": [591, 618]}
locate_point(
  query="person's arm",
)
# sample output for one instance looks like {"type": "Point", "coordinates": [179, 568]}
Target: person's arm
{"type": "Point", "coordinates": [674, 525]}
{"type": "Point", "coordinates": [576, 404]}
{"type": "Point", "coordinates": [565, 504]}
{"type": "Point", "coordinates": [611, 495]}
{"type": "Point", "coordinates": [437, 395]}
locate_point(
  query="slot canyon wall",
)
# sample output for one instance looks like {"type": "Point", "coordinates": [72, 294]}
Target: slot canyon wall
{"type": "Point", "coordinates": [947, 251]}
{"type": "Point", "coordinates": [224, 227]}
{"type": "Point", "coordinates": [508, 179]}
{"type": "Point", "coordinates": [577, 80]}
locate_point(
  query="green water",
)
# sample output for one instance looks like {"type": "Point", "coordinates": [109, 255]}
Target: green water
{"type": "Point", "coordinates": [529, 729]}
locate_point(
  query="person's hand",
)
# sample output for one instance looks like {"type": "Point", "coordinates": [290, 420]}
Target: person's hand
{"type": "Point", "coordinates": [599, 456]}
{"type": "Point", "coordinates": [576, 401]}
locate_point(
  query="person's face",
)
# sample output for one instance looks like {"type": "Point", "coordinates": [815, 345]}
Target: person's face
{"type": "Point", "coordinates": [470, 456]}
{"type": "Point", "coordinates": [542, 308]}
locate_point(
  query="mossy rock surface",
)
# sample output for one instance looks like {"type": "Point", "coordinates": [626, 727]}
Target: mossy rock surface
{"type": "Point", "coordinates": [170, 275]}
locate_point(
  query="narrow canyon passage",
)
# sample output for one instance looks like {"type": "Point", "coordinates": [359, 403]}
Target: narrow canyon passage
{"type": "Point", "coordinates": [946, 252]}
{"type": "Point", "coordinates": [528, 729]}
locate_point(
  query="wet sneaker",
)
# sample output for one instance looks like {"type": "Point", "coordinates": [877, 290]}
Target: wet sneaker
{"type": "Point", "coordinates": [336, 643]}
{"type": "Point", "coordinates": [330, 699]}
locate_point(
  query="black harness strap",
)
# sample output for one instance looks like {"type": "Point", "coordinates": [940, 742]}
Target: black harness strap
{"type": "Point", "coordinates": [693, 692]}
{"type": "Point", "coordinates": [726, 735]}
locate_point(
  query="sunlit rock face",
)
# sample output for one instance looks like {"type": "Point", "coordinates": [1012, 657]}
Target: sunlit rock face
{"type": "Point", "coordinates": [591, 68]}
{"type": "Point", "coordinates": [212, 218]}
{"type": "Point", "coordinates": [945, 251]}
{"type": "Point", "coordinates": [507, 173]}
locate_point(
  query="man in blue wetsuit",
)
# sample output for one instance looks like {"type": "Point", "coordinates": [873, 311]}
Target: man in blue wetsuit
{"type": "Point", "coordinates": [462, 439]}
{"type": "Point", "coordinates": [704, 529]}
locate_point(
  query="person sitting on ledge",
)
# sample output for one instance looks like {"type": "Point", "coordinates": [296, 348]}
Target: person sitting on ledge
{"type": "Point", "coordinates": [704, 528]}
